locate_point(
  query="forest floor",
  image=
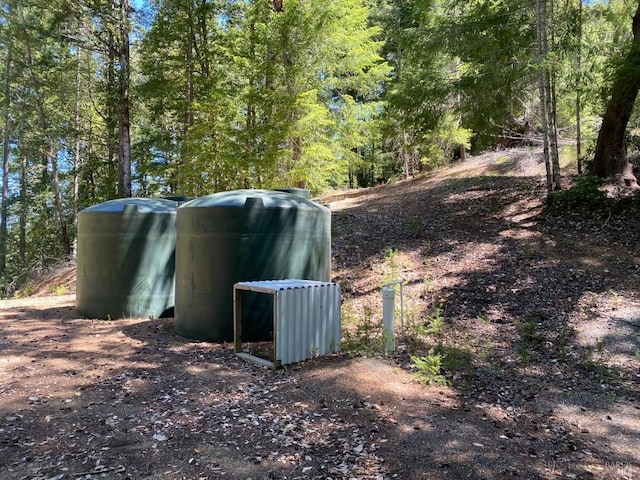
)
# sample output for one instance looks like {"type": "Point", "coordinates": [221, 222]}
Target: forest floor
{"type": "Point", "coordinates": [534, 314]}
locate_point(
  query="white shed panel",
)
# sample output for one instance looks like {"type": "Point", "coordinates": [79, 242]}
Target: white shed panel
{"type": "Point", "coordinates": [306, 319]}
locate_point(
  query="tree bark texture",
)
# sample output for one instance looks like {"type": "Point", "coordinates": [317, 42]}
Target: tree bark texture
{"type": "Point", "coordinates": [124, 125]}
{"type": "Point", "coordinates": [6, 145]}
{"type": "Point", "coordinates": [578, 92]}
{"type": "Point", "coordinates": [610, 158]}
{"type": "Point", "coordinates": [55, 179]}
{"type": "Point", "coordinates": [540, 15]}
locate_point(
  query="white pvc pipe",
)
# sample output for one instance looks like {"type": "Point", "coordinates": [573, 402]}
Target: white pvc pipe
{"type": "Point", "coordinates": [401, 283]}
{"type": "Point", "coordinates": [388, 319]}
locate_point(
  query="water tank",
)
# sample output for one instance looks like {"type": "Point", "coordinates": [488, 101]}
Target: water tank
{"type": "Point", "coordinates": [301, 192]}
{"type": "Point", "coordinates": [126, 258]}
{"type": "Point", "coordinates": [241, 236]}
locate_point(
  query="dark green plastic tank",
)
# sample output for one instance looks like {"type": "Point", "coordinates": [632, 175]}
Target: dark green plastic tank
{"type": "Point", "coordinates": [244, 235]}
{"type": "Point", "coordinates": [126, 258]}
{"type": "Point", "coordinates": [301, 192]}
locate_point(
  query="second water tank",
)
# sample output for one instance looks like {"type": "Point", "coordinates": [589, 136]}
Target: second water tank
{"type": "Point", "coordinates": [126, 258]}
{"type": "Point", "coordinates": [243, 235]}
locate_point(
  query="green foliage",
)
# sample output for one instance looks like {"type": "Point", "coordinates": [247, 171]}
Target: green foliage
{"type": "Point", "coordinates": [228, 95]}
{"type": "Point", "coordinates": [585, 195]}
{"type": "Point", "coordinates": [269, 99]}
{"type": "Point", "coordinates": [26, 290]}
{"type": "Point", "coordinates": [428, 369]}
{"type": "Point", "coordinates": [419, 330]}
{"type": "Point", "coordinates": [454, 358]}
{"type": "Point", "coordinates": [529, 333]}
{"type": "Point", "coordinates": [362, 334]}
{"type": "Point", "coordinates": [437, 324]}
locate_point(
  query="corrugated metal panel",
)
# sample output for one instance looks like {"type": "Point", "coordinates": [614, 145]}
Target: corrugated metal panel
{"type": "Point", "coordinates": [307, 317]}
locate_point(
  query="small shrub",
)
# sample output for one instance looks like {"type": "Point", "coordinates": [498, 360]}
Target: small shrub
{"type": "Point", "coordinates": [58, 290]}
{"type": "Point", "coordinates": [428, 369]}
{"type": "Point", "coordinates": [455, 358]}
{"type": "Point", "coordinates": [586, 194]}
{"type": "Point", "coordinates": [362, 335]}
{"type": "Point", "coordinates": [437, 324]}
{"type": "Point", "coordinates": [27, 290]}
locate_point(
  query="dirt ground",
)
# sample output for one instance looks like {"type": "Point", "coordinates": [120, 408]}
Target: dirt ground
{"type": "Point", "coordinates": [540, 339]}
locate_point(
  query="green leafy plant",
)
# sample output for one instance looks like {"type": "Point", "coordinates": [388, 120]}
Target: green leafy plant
{"type": "Point", "coordinates": [428, 369]}
{"type": "Point", "coordinates": [58, 290]}
{"type": "Point", "coordinates": [586, 194]}
{"type": "Point", "coordinates": [454, 358]}
{"type": "Point", "coordinates": [436, 322]}
{"type": "Point", "coordinates": [362, 334]}
{"type": "Point", "coordinates": [27, 290]}
{"type": "Point", "coordinates": [413, 329]}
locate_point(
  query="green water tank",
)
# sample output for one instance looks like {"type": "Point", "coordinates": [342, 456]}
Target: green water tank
{"type": "Point", "coordinates": [126, 258]}
{"type": "Point", "coordinates": [301, 192]}
{"type": "Point", "coordinates": [244, 235]}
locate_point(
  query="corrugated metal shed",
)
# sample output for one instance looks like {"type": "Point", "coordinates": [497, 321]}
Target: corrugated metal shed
{"type": "Point", "coordinates": [306, 317]}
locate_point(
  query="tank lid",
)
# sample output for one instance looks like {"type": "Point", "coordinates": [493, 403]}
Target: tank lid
{"type": "Point", "coordinates": [142, 205]}
{"type": "Point", "coordinates": [252, 198]}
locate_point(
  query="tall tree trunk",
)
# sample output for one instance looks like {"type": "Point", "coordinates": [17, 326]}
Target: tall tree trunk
{"type": "Point", "coordinates": [406, 157]}
{"type": "Point", "coordinates": [124, 126]}
{"type": "Point", "coordinates": [77, 159]}
{"type": "Point", "coordinates": [202, 51]}
{"type": "Point", "coordinates": [55, 179]}
{"type": "Point", "coordinates": [540, 25]}
{"type": "Point", "coordinates": [6, 145]}
{"type": "Point", "coordinates": [191, 45]}
{"type": "Point", "coordinates": [24, 212]}
{"type": "Point", "coordinates": [579, 92]}
{"type": "Point", "coordinates": [551, 98]}
{"type": "Point", "coordinates": [610, 158]}
{"type": "Point", "coordinates": [112, 116]}
{"type": "Point", "coordinates": [49, 157]}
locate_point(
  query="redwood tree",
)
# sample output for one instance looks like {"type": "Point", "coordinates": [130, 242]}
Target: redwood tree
{"type": "Point", "coordinates": [610, 158]}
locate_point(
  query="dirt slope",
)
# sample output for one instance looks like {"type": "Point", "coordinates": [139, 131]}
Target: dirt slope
{"type": "Point", "coordinates": [539, 321]}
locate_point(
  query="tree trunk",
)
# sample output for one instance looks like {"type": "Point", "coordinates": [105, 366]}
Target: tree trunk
{"type": "Point", "coordinates": [24, 212]}
{"type": "Point", "coordinates": [540, 25]}
{"type": "Point", "coordinates": [111, 120]}
{"type": "Point", "coordinates": [6, 145]}
{"type": "Point", "coordinates": [55, 178]}
{"type": "Point", "coordinates": [191, 46]}
{"type": "Point", "coordinates": [77, 159]}
{"type": "Point", "coordinates": [551, 98]}
{"type": "Point", "coordinates": [610, 158]}
{"type": "Point", "coordinates": [406, 158]}
{"type": "Point", "coordinates": [579, 92]}
{"type": "Point", "coordinates": [124, 126]}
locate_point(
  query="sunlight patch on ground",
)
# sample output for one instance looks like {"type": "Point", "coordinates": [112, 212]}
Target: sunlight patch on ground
{"type": "Point", "coordinates": [612, 335]}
